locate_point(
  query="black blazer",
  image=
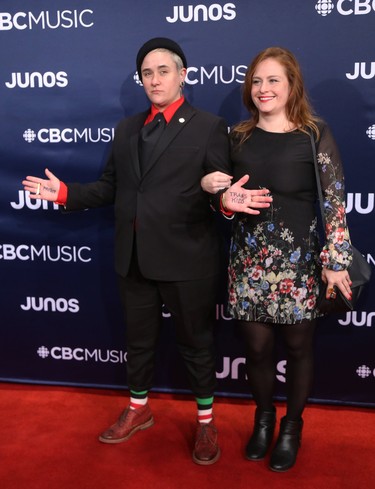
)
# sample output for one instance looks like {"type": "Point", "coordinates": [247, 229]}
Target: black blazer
{"type": "Point", "coordinates": [176, 234]}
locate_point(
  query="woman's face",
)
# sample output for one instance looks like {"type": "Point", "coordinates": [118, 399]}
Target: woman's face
{"type": "Point", "coordinates": [270, 88]}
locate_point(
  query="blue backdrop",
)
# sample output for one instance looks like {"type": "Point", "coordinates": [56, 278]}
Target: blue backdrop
{"type": "Point", "coordinates": [67, 77]}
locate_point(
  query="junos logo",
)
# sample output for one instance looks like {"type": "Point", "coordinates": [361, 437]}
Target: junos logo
{"type": "Point", "coordinates": [231, 369]}
{"type": "Point", "coordinates": [48, 304]}
{"type": "Point", "coordinates": [364, 70]}
{"type": "Point", "coordinates": [66, 19]}
{"type": "Point", "coordinates": [82, 354]}
{"type": "Point", "coordinates": [45, 253]}
{"type": "Point", "coordinates": [33, 204]}
{"type": "Point", "coordinates": [197, 13]}
{"type": "Point", "coordinates": [358, 319]}
{"type": "Point", "coordinates": [220, 313]}
{"type": "Point", "coordinates": [281, 368]}
{"type": "Point", "coordinates": [345, 7]}
{"type": "Point", "coordinates": [38, 80]}
{"type": "Point", "coordinates": [354, 202]}
{"type": "Point", "coordinates": [70, 135]}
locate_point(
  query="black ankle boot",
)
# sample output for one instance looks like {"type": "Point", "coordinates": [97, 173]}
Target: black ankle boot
{"type": "Point", "coordinates": [285, 452]}
{"type": "Point", "coordinates": [261, 439]}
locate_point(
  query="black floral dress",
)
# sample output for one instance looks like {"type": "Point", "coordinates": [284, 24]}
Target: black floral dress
{"type": "Point", "coordinates": [275, 257]}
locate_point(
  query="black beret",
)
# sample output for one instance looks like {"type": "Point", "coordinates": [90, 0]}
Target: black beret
{"type": "Point", "coordinates": [156, 43]}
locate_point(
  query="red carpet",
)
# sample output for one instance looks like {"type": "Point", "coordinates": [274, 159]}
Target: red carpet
{"type": "Point", "coordinates": [49, 441]}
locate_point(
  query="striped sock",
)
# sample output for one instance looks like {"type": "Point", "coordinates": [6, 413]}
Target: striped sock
{"type": "Point", "coordinates": [138, 399]}
{"type": "Point", "coordinates": [204, 409]}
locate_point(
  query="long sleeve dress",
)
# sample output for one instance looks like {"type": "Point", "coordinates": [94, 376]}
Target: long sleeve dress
{"type": "Point", "coordinates": [275, 257]}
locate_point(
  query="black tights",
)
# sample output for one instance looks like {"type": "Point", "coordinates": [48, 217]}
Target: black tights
{"type": "Point", "coordinates": [261, 368]}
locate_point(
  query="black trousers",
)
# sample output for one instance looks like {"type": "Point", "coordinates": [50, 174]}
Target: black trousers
{"type": "Point", "coordinates": [192, 307]}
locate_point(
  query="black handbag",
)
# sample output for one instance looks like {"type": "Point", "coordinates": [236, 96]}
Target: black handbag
{"type": "Point", "coordinates": [359, 270]}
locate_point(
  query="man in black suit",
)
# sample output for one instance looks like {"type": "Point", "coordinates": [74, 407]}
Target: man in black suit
{"type": "Point", "coordinates": [166, 242]}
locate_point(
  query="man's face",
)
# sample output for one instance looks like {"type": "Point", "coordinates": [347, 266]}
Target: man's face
{"type": "Point", "coordinates": [161, 79]}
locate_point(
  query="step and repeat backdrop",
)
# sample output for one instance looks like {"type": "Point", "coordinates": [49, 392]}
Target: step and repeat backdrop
{"type": "Point", "coordinates": [67, 77]}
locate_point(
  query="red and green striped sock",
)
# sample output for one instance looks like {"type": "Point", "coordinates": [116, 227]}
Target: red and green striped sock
{"type": "Point", "coordinates": [204, 405]}
{"type": "Point", "coordinates": [138, 399]}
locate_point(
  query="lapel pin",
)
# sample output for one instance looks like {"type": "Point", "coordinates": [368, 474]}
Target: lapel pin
{"type": "Point", "coordinates": [181, 120]}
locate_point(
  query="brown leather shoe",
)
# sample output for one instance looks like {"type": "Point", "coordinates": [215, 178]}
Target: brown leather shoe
{"type": "Point", "coordinates": [130, 421]}
{"type": "Point", "coordinates": [206, 450]}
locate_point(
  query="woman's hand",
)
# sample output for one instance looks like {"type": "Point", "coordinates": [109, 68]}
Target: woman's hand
{"type": "Point", "coordinates": [340, 279]}
{"type": "Point", "coordinates": [215, 181]}
{"type": "Point", "coordinates": [239, 199]}
{"type": "Point", "coordinates": [42, 189]}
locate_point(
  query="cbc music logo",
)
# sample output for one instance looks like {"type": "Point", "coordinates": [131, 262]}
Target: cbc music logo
{"type": "Point", "coordinates": [197, 13]}
{"type": "Point", "coordinates": [49, 304]}
{"type": "Point", "coordinates": [364, 371]}
{"type": "Point", "coordinates": [46, 253]}
{"type": "Point", "coordinates": [97, 355]}
{"type": "Point", "coordinates": [70, 135]}
{"type": "Point", "coordinates": [66, 19]}
{"type": "Point", "coordinates": [38, 80]}
{"type": "Point", "coordinates": [371, 132]}
{"type": "Point", "coordinates": [345, 7]}
{"type": "Point", "coordinates": [217, 74]}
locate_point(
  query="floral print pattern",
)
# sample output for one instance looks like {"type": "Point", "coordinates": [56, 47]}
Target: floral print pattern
{"type": "Point", "coordinates": [271, 279]}
{"type": "Point", "coordinates": [275, 263]}
{"type": "Point", "coordinates": [337, 252]}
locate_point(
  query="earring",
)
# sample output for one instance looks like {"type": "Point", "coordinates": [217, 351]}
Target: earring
{"type": "Point", "coordinates": [182, 84]}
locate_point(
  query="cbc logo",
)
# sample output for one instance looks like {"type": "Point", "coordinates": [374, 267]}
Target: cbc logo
{"type": "Point", "coordinates": [363, 371]}
{"type": "Point", "coordinates": [345, 7]}
{"type": "Point", "coordinates": [137, 80]}
{"type": "Point", "coordinates": [371, 132]}
{"type": "Point", "coordinates": [324, 7]}
{"type": "Point", "coordinates": [82, 354]}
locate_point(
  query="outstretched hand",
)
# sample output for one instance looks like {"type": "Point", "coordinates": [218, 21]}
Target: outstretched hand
{"type": "Point", "coordinates": [239, 199]}
{"type": "Point", "coordinates": [45, 189]}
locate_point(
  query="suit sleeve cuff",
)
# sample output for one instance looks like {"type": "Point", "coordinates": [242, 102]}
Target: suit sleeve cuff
{"type": "Point", "coordinates": [62, 196]}
{"type": "Point", "coordinates": [223, 210]}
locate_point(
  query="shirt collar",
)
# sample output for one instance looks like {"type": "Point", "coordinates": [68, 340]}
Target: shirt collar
{"type": "Point", "coordinates": [168, 113]}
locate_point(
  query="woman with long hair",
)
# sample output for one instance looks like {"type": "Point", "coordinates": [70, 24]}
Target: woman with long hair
{"type": "Point", "coordinates": [276, 262]}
